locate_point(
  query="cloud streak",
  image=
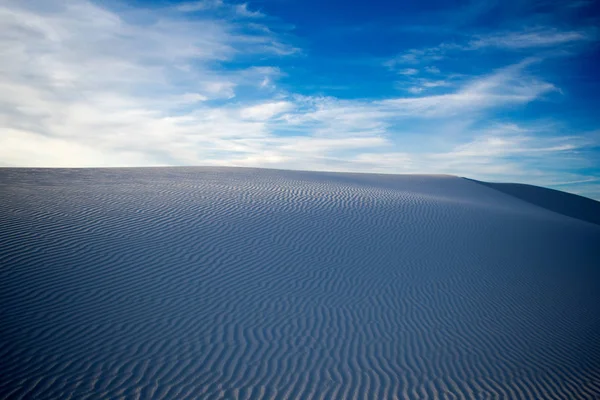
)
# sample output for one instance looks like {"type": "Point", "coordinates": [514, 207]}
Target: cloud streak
{"type": "Point", "coordinates": [524, 39]}
{"type": "Point", "coordinates": [532, 38]}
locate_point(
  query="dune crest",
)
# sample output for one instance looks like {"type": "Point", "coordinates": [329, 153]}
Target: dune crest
{"type": "Point", "coordinates": [242, 283]}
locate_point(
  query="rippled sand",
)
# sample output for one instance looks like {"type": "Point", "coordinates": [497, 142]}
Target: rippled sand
{"type": "Point", "coordinates": [234, 283]}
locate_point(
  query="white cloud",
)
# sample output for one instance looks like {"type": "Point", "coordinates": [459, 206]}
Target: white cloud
{"type": "Point", "coordinates": [434, 84]}
{"type": "Point", "coordinates": [266, 111]}
{"type": "Point", "coordinates": [81, 85]}
{"type": "Point", "coordinates": [408, 71]}
{"type": "Point", "coordinates": [199, 5]}
{"type": "Point", "coordinates": [527, 39]}
{"type": "Point", "coordinates": [504, 87]}
{"type": "Point", "coordinates": [499, 153]}
{"type": "Point", "coordinates": [147, 88]}
{"type": "Point", "coordinates": [242, 10]}
{"type": "Point", "coordinates": [420, 85]}
{"type": "Point", "coordinates": [57, 152]}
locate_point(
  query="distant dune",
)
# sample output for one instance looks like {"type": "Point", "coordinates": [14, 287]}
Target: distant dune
{"type": "Point", "coordinates": [563, 203]}
{"type": "Point", "coordinates": [233, 283]}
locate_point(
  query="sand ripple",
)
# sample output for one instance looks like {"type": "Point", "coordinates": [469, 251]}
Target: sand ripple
{"type": "Point", "coordinates": [257, 284]}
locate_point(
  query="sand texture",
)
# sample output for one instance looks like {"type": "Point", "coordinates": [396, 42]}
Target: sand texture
{"type": "Point", "coordinates": [231, 283]}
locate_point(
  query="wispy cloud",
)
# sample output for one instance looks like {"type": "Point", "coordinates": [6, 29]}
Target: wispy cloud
{"type": "Point", "coordinates": [242, 9]}
{"type": "Point", "coordinates": [506, 86]}
{"type": "Point", "coordinates": [523, 39]}
{"type": "Point", "coordinates": [408, 71]}
{"type": "Point", "coordinates": [531, 38]}
{"type": "Point", "coordinates": [199, 5]}
{"type": "Point", "coordinates": [499, 153]}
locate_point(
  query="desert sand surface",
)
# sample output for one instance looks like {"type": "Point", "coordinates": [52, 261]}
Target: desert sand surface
{"type": "Point", "coordinates": [235, 283]}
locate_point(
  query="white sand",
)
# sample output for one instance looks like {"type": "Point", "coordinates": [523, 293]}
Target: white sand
{"type": "Point", "coordinates": [241, 283]}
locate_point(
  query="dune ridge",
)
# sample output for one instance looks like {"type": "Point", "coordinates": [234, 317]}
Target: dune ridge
{"type": "Point", "coordinates": [263, 284]}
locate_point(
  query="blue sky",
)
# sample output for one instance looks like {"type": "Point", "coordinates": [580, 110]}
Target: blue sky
{"type": "Point", "coordinates": [491, 90]}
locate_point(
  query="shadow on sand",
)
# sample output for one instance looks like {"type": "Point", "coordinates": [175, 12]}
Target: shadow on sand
{"type": "Point", "coordinates": [568, 204]}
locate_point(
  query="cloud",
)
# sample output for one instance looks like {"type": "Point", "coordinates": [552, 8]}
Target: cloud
{"type": "Point", "coordinates": [420, 85]}
{"type": "Point", "coordinates": [415, 89]}
{"type": "Point", "coordinates": [499, 153]}
{"type": "Point", "coordinates": [81, 83]}
{"type": "Point", "coordinates": [266, 111]}
{"type": "Point", "coordinates": [506, 86]}
{"type": "Point", "coordinates": [519, 40]}
{"type": "Point", "coordinates": [417, 56]}
{"type": "Point", "coordinates": [242, 10]}
{"type": "Point", "coordinates": [43, 151]}
{"type": "Point", "coordinates": [527, 39]}
{"type": "Point", "coordinates": [200, 84]}
{"type": "Point", "coordinates": [408, 71]}
{"type": "Point", "coordinates": [200, 5]}
{"type": "Point", "coordinates": [157, 92]}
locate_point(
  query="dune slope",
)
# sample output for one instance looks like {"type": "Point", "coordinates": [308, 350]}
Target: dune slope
{"type": "Point", "coordinates": [261, 284]}
{"type": "Point", "coordinates": [563, 203]}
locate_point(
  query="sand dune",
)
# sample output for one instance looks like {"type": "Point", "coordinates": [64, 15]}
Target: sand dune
{"type": "Point", "coordinates": [563, 203]}
{"type": "Point", "coordinates": [182, 283]}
